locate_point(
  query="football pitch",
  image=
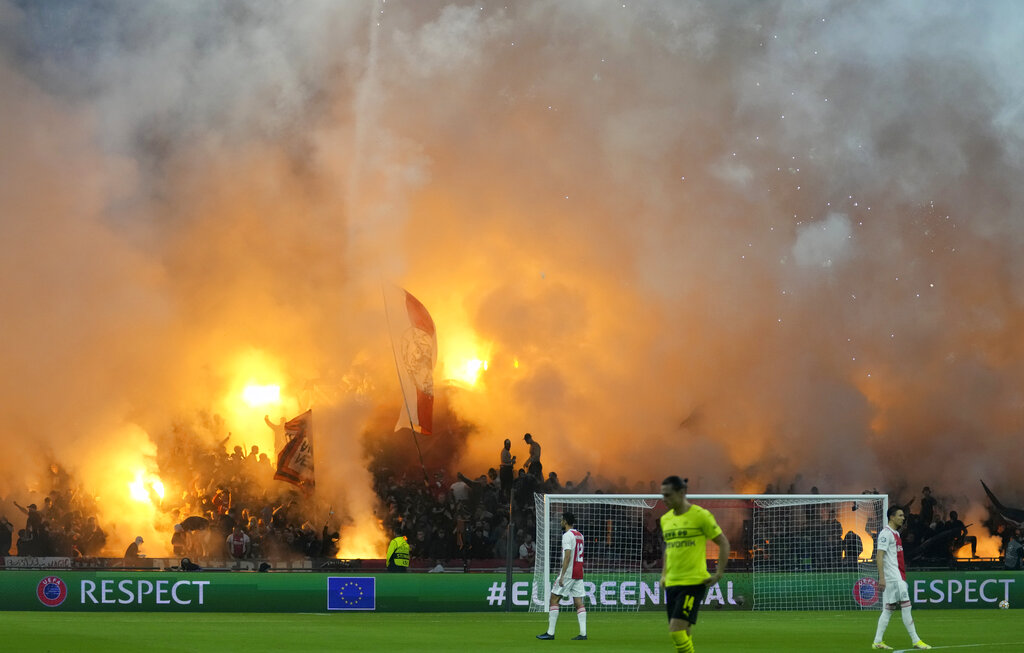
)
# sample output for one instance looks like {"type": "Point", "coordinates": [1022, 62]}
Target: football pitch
{"type": "Point", "coordinates": [980, 631]}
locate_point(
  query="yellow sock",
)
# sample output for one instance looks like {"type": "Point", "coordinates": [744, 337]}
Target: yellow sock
{"type": "Point", "coordinates": [682, 640]}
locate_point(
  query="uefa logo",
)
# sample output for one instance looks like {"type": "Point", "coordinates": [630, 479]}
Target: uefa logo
{"type": "Point", "coordinates": [865, 592]}
{"type": "Point", "coordinates": [51, 591]}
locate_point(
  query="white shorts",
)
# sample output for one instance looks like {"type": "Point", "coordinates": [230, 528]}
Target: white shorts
{"type": "Point", "coordinates": [571, 587]}
{"type": "Point", "coordinates": [895, 592]}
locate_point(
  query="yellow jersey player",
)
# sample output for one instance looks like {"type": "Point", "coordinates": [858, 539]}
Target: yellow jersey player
{"type": "Point", "coordinates": [685, 529]}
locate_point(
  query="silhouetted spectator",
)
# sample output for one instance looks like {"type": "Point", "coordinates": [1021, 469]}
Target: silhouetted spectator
{"type": "Point", "coordinates": [49, 511]}
{"type": "Point", "coordinates": [6, 534]}
{"type": "Point", "coordinates": [524, 487]}
{"type": "Point", "coordinates": [532, 464]}
{"type": "Point", "coordinates": [832, 532]}
{"type": "Point", "coordinates": [1014, 551]}
{"type": "Point", "coordinates": [25, 543]}
{"type": "Point", "coordinates": [329, 543]}
{"type": "Point", "coordinates": [583, 486]}
{"type": "Point", "coordinates": [188, 565]}
{"type": "Point", "coordinates": [852, 548]}
{"type": "Point", "coordinates": [92, 538]}
{"type": "Point", "coordinates": [34, 520]}
{"type": "Point", "coordinates": [131, 554]}
{"type": "Point", "coordinates": [552, 486]}
{"type": "Point", "coordinates": [419, 544]}
{"type": "Point", "coordinates": [927, 506]}
{"type": "Point", "coordinates": [178, 541]}
{"type": "Point", "coordinates": [507, 466]}
{"type": "Point", "coordinates": [460, 489]}
{"type": "Point", "coordinates": [44, 541]}
{"type": "Point", "coordinates": [278, 429]}
{"type": "Point", "coordinates": [238, 544]}
{"type": "Point", "coordinates": [960, 536]}
{"type": "Point", "coordinates": [527, 549]}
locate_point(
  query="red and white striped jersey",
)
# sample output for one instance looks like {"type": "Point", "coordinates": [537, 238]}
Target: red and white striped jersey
{"type": "Point", "coordinates": [893, 565]}
{"type": "Point", "coordinates": [572, 539]}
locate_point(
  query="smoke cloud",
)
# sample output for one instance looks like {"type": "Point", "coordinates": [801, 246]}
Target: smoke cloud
{"type": "Point", "coordinates": [737, 241]}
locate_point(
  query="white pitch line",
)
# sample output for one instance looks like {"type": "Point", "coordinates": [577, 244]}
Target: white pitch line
{"type": "Point", "coordinates": [907, 650]}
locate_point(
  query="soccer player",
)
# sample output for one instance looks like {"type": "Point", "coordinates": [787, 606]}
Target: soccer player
{"type": "Point", "coordinates": [892, 579]}
{"type": "Point", "coordinates": [570, 579]}
{"type": "Point", "coordinates": [686, 529]}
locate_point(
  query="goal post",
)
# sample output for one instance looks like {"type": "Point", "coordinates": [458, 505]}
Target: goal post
{"type": "Point", "coordinates": [613, 529]}
{"type": "Point", "coordinates": [804, 551]}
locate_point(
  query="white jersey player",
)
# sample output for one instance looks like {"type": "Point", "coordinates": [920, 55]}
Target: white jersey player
{"type": "Point", "coordinates": [892, 580]}
{"type": "Point", "coordinates": [569, 582]}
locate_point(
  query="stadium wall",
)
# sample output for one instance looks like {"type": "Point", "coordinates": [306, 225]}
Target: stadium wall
{"type": "Point", "coordinates": [78, 591]}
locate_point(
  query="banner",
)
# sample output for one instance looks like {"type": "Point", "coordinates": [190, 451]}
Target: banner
{"type": "Point", "coordinates": [208, 591]}
{"type": "Point", "coordinates": [414, 341]}
{"type": "Point", "coordinates": [295, 462]}
{"type": "Point", "coordinates": [33, 562]}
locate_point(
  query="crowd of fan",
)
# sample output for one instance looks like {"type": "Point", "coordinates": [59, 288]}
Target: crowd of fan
{"type": "Point", "coordinates": [220, 505]}
{"type": "Point", "coordinates": [65, 525]}
{"type": "Point", "coordinates": [815, 538]}
{"type": "Point", "coordinates": [928, 538]}
{"type": "Point", "coordinates": [225, 505]}
{"type": "Point", "coordinates": [230, 506]}
{"type": "Point", "coordinates": [466, 518]}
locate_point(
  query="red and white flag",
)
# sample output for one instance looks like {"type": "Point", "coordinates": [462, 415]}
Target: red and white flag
{"type": "Point", "coordinates": [295, 462]}
{"type": "Point", "coordinates": [414, 340]}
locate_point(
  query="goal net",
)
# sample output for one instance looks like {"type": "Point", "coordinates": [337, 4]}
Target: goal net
{"type": "Point", "coordinates": [798, 552]}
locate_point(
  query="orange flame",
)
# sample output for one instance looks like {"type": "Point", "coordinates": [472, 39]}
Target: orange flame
{"type": "Point", "coordinates": [364, 540]}
{"type": "Point", "coordinates": [145, 487]}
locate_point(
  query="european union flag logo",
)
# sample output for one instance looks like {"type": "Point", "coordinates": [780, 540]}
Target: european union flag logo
{"type": "Point", "coordinates": [351, 593]}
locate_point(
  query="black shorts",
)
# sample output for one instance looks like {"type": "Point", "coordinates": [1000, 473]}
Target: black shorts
{"type": "Point", "coordinates": [683, 601]}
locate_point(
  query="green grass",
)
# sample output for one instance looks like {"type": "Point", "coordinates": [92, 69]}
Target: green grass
{"type": "Point", "coordinates": [981, 631]}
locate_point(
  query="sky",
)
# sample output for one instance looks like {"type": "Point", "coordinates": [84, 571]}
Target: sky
{"type": "Point", "coordinates": [745, 242]}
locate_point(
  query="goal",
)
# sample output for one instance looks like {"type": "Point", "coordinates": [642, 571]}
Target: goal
{"type": "Point", "coordinates": [796, 551]}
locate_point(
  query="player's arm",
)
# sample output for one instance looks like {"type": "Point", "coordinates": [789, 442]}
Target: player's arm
{"type": "Point", "coordinates": [566, 563]}
{"type": "Point", "coordinates": [723, 559]}
{"type": "Point", "coordinates": [880, 556]}
{"type": "Point", "coordinates": [664, 565]}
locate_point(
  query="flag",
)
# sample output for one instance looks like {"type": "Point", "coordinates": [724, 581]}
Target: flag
{"type": "Point", "coordinates": [414, 341]}
{"type": "Point", "coordinates": [351, 593]}
{"type": "Point", "coordinates": [295, 462]}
